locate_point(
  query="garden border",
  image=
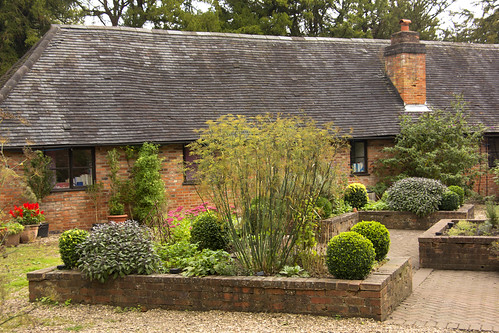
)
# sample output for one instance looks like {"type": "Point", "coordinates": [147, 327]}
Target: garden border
{"type": "Point", "coordinates": [375, 297]}
{"type": "Point", "coordinates": [457, 252]}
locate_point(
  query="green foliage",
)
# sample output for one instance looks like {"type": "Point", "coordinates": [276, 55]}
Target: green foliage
{"type": "Point", "coordinates": [462, 228]}
{"type": "Point", "coordinates": [207, 262]}
{"type": "Point", "coordinates": [116, 207]}
{"type": "Point", "coordinates": [350, 256]}
{"type": "Point", "coordinates": [68, 246]}
{"type": "Point", "coordinates": [459, 191]}
{"type": "Point", "coordinates": [285, 162]}
{"type": "Point", "coordinates": [208, 233]}
{"type": "Point", "coordinates": [174, 255]}
{"type": "Point", "coordinates": [38, 175]}
{"type": "Point", "coordinates": [340, 207]}
{"type": "Point", "coordinates": [492, 212]}
{"type": "Point", "coordinates": [421, 196]}
{"type": "Point", "coordinates": [94, 191]}
{"type": "Point", "coordinates": [324, 207]}
{"type": "Point", "coordinates": [450, 201]}
{"type": "Point", "coordinates": [149, 187]}
{"type": "Point", "coordinates": [377, 233]}
{"type": "Point", "coordinates": [293, 271]}
{"type": "Point", "coordinates": [10, 228]}
{"type": "Point", "coordinates": [376, 205]}
{"type": "Point", "coordinates": [379, 189]}
{"type": "Point", "coordinates": [117, 249]}
{"type": "Point", "coordinates": [438, 145]}
{"type": "Point", "coordinates": [356, 195]}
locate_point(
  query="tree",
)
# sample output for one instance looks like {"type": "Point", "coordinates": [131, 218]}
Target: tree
{"type": "Point", "coordinates": [23, 22]}
{"type": "Point", "coordinates": [440, 145]}
{"type": "Point", "coordinates": [269, 172]}
{"type": "Point", "coordinates": [484, 29]}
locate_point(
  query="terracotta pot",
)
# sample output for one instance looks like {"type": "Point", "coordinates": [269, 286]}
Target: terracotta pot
{"type": "Point", "coordinates": [12, 240]}
{"type": "Point", "coordinates": [29, 233]}
{"type": "Point", "coordinates": [117, 218]}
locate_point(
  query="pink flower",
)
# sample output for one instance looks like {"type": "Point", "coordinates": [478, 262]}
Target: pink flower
{"type": "Point", "coordinates": [169, 220]}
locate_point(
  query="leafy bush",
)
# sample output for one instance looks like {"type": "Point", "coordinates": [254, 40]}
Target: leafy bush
{"type": "Point", "coordinates": [208, 233]}
{"type": "Point", "coordinates": [117, 249]}
{"type": "Point", "coordinates": [491, 211]}
{"type": "Point", "coordinates": [441, 145]}
{"type": "Point", "coordinates": [324, 207]}
{"type": "Point", "coordinates": [356, 195]}
{"type": "Point", "coordinates": [174, 255]}
{"type": "Point", "coordinates": [377, 233]}
{"type": "Point", "coordinates": [350, 256]}
{"type": "Point", "coordinates": [376, 205]}
{"type": "Point", "coordinates": [340, 207]}
{"type": "Point", "coordinates": [10, 228]}
{"type": "Point", "coordinates": [207, 262]}
{"type": "Point", "coordinates": [421, 196]}
{"type": "Point", "coordinates": [463, 228]}
{"type": "Point", "coordinates": [450, 201]}
{"type": "Point", "coordinates": [68, 246]}
{"type": "Point", "coordinates": [147, 181]}
{"type": "Point", "coordinates": [459, 191]}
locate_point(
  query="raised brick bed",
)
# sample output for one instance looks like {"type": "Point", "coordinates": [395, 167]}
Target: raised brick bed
{"type": "Point", "coordinates": [476, 253]}
{"type": "Point", "coordinates": [407, 220]}
{"type": "Point", "coordinates": [375, 297]}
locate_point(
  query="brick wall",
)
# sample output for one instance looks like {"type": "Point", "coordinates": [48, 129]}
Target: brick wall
{"type": "Point", "coordinates": [476, 253]}
{"type": "Point", "coordinates": [375, 297]}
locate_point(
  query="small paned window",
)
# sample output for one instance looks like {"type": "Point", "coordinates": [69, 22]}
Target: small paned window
{"type": "Point", "coordinates": [191, 166]}
{"type": "Point", "coordinates": [358, 156]}
{"type": "Point", "coordinates": [493, 150]}
{"type": "Point", "coordinates": [73, 167]}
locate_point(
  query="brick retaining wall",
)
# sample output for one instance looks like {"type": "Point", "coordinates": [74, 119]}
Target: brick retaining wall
{"type": "Point", "coordinates": [410, 221]}
{"type": "Point", "coordinates": [474, 253]}
{"type": "Point", "coordinates": [375, 297]}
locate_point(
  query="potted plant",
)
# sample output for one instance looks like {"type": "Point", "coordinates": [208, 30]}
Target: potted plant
{"type": "Point", "coordinates": [116, 206]}
{"type": "Point", "coordinates": [30, 216]}
{"type": "Point", "coordinates": [39, 178]}
{"type": "Point", "coordinates": [10, 233]}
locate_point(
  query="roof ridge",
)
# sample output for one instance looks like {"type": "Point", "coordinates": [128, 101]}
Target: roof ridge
{"type": "Point", "coordinates": [225, 34]}
{"type": "Point", "coordinates": [25, 63]}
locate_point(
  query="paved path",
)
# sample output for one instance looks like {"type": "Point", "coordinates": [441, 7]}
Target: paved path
{"type": "Point", "coordinates": [445, 298]}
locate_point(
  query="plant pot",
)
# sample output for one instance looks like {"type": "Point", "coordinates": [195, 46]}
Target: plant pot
{"type": "Point", "coordinates": [43, 230]}
{"type": "Point", "coordinates": [29, 233]}
{"type": "Point", "coordinates": [12, 240]}
{"type": "Point", "coordinates": [117, 218]}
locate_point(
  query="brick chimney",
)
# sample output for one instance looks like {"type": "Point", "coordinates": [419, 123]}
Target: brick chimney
{"type": "Point", "coordinates": [405, 65]}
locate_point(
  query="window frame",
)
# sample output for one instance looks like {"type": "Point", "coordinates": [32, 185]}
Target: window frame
{"type": "Point", "coordinates": [192, 180]}
{"type": "Point", "coordinates": [71, 168]}
{"type": "Point", "coordinates": [353, 158]}
{"type": "Point", "coordinates": [491, 160]}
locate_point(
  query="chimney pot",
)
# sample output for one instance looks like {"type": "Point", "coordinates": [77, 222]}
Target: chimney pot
{"type": "Point", "coordinates": [404, 24]}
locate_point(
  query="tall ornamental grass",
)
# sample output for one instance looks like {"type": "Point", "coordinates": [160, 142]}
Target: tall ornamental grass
{"type": "Point", "coordinates": [264, 174]}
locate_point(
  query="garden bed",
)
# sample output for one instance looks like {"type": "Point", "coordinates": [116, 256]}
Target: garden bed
{"type": "Point", "coordinates": [375, 297]}
{"type": "Point", "coordinates": [476, 253]}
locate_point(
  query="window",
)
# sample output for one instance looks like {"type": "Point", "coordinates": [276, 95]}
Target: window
{"type": "Point", "coordinates": [493, 150]}
{"type": "Point", "coordinates": [191, 167]}
{"type": "Point", "coordinates": [358, 156]}
{"type": "Point", "coordinates": [73, 168]}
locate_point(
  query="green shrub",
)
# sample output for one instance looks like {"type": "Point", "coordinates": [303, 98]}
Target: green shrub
{"type": "Point", "coordinates": [463, 228]}
{"type": "Point", "coordinates": [324, 207]}
{"type": "Point", "coordinates": [350, 256]}
{"type": "Point", "coordinates": [208, 262]}
{"type": "Point", "coordinates": [377, 233]}
{"type": "Point", "coordinates": [173, 255]}
{"type": "Point", "coordinates": [459, 191]}
{"type": "Point", "coordinates": [356, 195]}
{"type": "Point", "coordinates": [208, 233]}
{"type": "Point", "coordinates": [340, 207]}
{"type": "Point", "coordinates": [450, 201]}
{"type": "Point", "coordinates": [117, 249]}
{"type": "Point", "coordinates": [68, 243]}
{"type": "Point", "coordinates": [418, 195]}
{"type": "Point", "coordinates": [376, 205]}
{"type": "Point", "coordinates": [492, 212]}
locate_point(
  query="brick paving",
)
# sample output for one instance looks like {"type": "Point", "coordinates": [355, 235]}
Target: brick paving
{"type": "Point", "coordinates": [464, 300]}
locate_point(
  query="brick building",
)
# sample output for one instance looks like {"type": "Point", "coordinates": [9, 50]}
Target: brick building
{"type": "Point", "coordinates": [85, 90]}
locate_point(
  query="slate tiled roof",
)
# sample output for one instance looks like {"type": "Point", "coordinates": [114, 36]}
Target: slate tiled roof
{"type": "Point", "coordinates": [105, 86]}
